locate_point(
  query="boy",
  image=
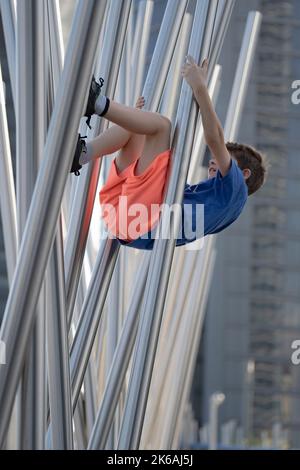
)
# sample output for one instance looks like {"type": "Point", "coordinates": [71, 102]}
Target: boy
{"type": "Point", "coordinates": [138, 175]}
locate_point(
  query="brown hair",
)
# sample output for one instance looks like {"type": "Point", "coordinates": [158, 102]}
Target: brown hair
{"type": "Point", "coordinates": [249, 158]}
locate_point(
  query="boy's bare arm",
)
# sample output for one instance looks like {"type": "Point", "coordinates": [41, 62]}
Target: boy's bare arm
{"type": "Point", "coordinates": [213, 132]}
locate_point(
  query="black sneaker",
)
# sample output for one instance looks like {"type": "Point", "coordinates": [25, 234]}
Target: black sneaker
{"type": "Point", "coordinates": [95, 90]}
{"type": "Point", "coordinates": [80, 147]}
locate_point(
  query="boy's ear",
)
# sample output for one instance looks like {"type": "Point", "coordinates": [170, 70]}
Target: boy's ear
{"type": "Point", "coordinates": [246, 173]}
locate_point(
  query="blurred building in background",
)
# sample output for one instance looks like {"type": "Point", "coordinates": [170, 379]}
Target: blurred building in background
{"type": "Point", "coordinates": [253, 312]}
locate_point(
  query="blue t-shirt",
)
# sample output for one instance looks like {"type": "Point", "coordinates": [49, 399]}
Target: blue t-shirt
{"type": "Point", "coordinates": [223, 199]}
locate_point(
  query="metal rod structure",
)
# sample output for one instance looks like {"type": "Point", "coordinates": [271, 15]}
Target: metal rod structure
{"type": "Point", "coordinates": [30, 114]}
{"type": "Point", "coordinates": [168, 23]}
{"type": "Point", "coordinates": [145, 12]}
{"type": "Point", "coordinates": [161, 260]}
{"type": "Point", "coordinates": [89, 322]}
{"type": "Point", "coordinates": [7, 195]}
{"type": "Point", "coordinates": [8, 14]}
{"type": "Point", "coordinates": [101, 340]}
{"type": "Point", "coordinates": [220, 31]}
{"type": "Point", "coordinates": [246, 57]}
{"type": "Point", "coordinates": [112, 332]}
{"type": "Point", "coordinates": [87, 185]}
{"type": "Point", "coordinates": [42, 218]}
{"type": "Point", "coordinates": [247, 51]}
{"type": "Point", "coordinates": [119, 365]}
{"type": "Point", "coordinates": [174, 434]}
{"type": "Point", "coordinates": [57, 334]}
{"type": "Point", "coordinates": [242, 75]}
{"type": "Point", "coordinates": [173, 316]}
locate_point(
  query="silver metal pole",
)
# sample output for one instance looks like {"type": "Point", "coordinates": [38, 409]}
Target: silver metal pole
{"type": "Point", "coordinates": [58, 353]}
{"type": "Point", "coordinates": [145, 12]}
{"type": "Point", "coordinates": [178, 295]}
{"type": "Point", "coordinates": [30, 116]}
{"type": "Point", "coordinates": [120, 363]}
{"type": "Point", "coordinates": [220, 31]}
{"type": "Point", "coordinates": [8, 14]}
{"type": "Point", "coordinates": [112, 332]}
{"type": "Point", "coordinates": [194, 336]}
{"type": "Point", "coordinates": [91, 314]}
{"type": "Point", "coordinates": [82, 346]}
{"type": "Point", "coordinates": [42, 217]}
{"type": "Point", "coordinates": [242, 75]}
{"type": "Point", "coordinates": [7, 195]}
{"type": "Point", "coordinates": [231, 129]}
{"type": "Point", "coordinates": [180, 356]}
{"type": "Point", "coordinates": [57, 55]}
{"type": "Point", "coordinates": [170, 22]}
{"type": "Point", "coordinates": [215, 401]}
{"type": "Point", "coordinates": [87, 185]}
{"type": "Point", "coordinates": [161, 259]}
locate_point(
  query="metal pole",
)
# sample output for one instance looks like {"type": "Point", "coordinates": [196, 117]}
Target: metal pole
{"type": "Point", "coordinates": [7, 194]}
{"type": "Point", "coordinates": [175, 306]}
{"type": "Point", "coordinates": [57, 334]}
{"type": "Point", "coordinates": [44, 209]}
{"type": "Point", "coordinates": [81, 211]}
{"type": "Point", "coordinates": [58, 353]}
{"type": "Point", "coordinates": [161, 259]}
{"type": "Point", "coordinates": [169, 20]}
{"type": "Point", "coordinates": [30, 116]}
{"type": "Point", "coordinates": [112, 332]}
{"type": "Point", "coordinates": [192, 356]}
{"type": "Point", "coordinates": [82, 345]}
{"type": "Point", "coordinates": [242, 75]}
{"type": "Point", "coordinates": [120, 363]}
{"type": "Point", "coordinates": [8, 15]}
{"type": "Point", "coordinates": [145, 12]}
{"type": "Point", "coordinates": [91, 314]}
{"type": "Point", "coordinates": [231, 129]}
{"type": "Point", "coordinates": [215, 401]}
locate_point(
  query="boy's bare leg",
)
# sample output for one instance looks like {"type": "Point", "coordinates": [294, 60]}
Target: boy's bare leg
{"type": "Point", "coordinates": [155, 128]}
{"type": "Point", "coordinates": [112, 139]}
{"type": "Point", "coordinates": [128, 136]}
{"type": "Point", "coordinates": [135, 120]}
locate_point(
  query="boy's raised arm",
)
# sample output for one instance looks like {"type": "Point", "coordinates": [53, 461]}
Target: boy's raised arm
{"type": "Point", "coordinates": [196, 77]}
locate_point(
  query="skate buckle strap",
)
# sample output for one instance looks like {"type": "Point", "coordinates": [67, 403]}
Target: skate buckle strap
{"type": "Point", "coordinates": [101, 83]}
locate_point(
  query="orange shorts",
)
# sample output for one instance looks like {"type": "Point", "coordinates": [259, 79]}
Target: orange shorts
{"type": "Point", "coordinates": [130, 203]}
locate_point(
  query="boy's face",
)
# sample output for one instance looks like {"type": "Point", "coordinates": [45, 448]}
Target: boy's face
{"type": "Point", "coordinates": [213, 168]}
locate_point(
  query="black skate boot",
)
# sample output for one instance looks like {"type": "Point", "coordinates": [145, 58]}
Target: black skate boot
{"type": "Point", "coordinates": [80, 148]}
{"type": "Point", "coordinates": [95, 90]}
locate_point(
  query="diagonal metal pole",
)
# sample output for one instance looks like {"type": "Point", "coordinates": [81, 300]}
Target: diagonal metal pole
{"type": "Point", "coordinates": [81, 211]}
{"type": "Point", "coordinates": [231, 129]}
{"type": "Point", "coordinates": [90, 318]}
{"type": "Point", "coordinates": [30, 120]}
{"type": "Point", "coordinates": [177, 297]}
{"type": "Point", "coordinates": [171, 25]}
{"type": "Point", "coordinates": [7, 194]}
{"type": "Point", "coordinates": [145, 12]}
{"type": "Point", "coordinates": [161, 259]}
{"type": "Point", "coordinates": [156, 74]}
{"type": "Point", "coordinates": [56, 331]}
{"type": "Point", "coordinates": [191, 351]}
{"type": "Point", "coordinates": [91, 315]}
{"type": "Point", "coordinates": [42, 218]}
{"type": "Point", "coordinates": [8, 15]}
{"type": "Point", "coordinates": [120, 363]}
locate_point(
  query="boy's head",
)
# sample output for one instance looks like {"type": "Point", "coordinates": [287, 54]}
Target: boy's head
{"type": "Point", "coordinates": [251, 162]}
